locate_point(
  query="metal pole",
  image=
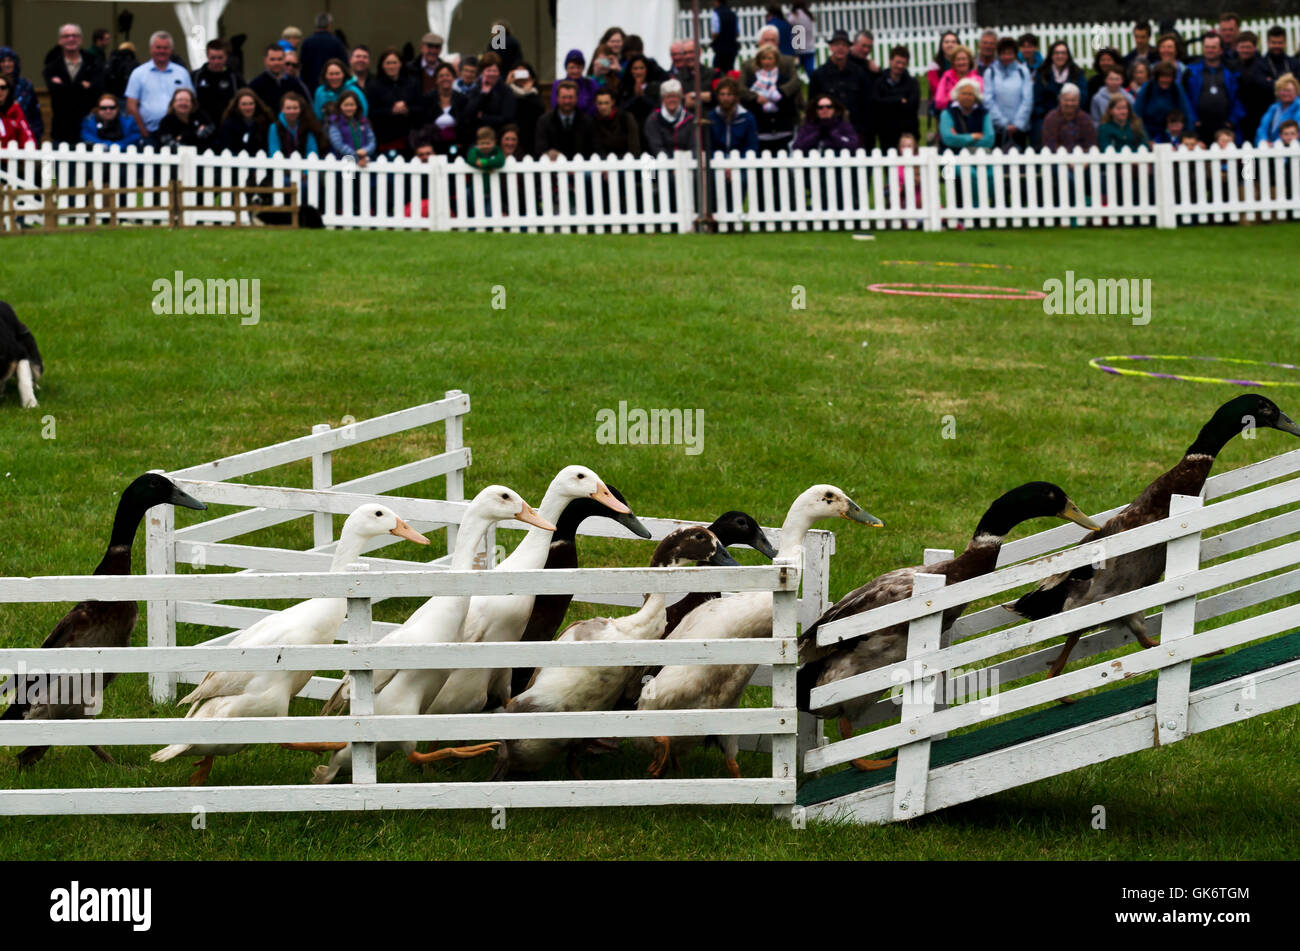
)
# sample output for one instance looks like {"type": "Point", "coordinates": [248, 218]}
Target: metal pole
{"type": "Point", "coordinates": [703, 217]}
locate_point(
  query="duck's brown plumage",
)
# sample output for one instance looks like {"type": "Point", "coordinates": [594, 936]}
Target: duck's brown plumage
{"type": "Point", "coordinates": [823, 665]}
{"type": "Point", "coordinates": [1088, 583]}
{"type": "Point", "coordinates": [97, 623]}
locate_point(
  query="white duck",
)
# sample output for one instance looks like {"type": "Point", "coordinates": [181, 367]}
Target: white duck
{"type": "Point", "coordinates": [438, 621]}
{"type": "Point", "coordinates": [266, 693]}
{"type": "Point", "coordinates": [499, 618]}
{"type": "Point", "coordinates": [744, 615]}
{"type": "Point", "coordinates": [597, 688]}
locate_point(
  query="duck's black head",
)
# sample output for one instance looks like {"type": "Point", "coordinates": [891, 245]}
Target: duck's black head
{"type": "Point", "coordinates": [153, 489]}
{"type": "Point", "coordinates": [1031, 500]}
{"type": "Point", "coordinates": [739, 528]}
{"type": "Point", "coordinates": [686, 546]}
{"type": "Point", "coordinates": [1240, 415]}
{"type": "Point", "coordinates": [141, 495]}
{"type": "Point", "coordinates": [566, 529]}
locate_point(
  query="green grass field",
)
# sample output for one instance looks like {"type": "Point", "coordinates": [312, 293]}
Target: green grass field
{"type": "Point", "coordinates": [852, 390]}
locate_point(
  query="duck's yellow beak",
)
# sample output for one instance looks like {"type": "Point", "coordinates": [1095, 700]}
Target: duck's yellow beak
{"type": "Point", "coordinates": [1072, 512]}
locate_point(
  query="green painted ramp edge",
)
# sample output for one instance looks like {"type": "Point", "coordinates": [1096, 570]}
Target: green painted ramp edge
{"type": "Point", "coordinates": [1032, 726]}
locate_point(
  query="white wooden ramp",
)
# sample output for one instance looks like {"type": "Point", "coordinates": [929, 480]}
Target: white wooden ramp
{"type": "Point", "coordinates": [976, 716]}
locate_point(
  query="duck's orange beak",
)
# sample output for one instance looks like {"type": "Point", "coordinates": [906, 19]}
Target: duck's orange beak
{"type": "Point", "coordinates": [531, 516]}
{"type": "Point", "coordinates": [406, 531]}
{"type": "Point", "coordinates": [607, 498]}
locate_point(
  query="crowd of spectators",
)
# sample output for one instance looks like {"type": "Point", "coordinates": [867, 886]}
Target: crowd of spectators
{"type": "Point", "coordinates": [315, 94]}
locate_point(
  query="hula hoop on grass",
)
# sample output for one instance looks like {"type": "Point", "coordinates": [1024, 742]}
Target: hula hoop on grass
{"type": "Point", "coordinates": [999, 267]}
{"type": "Point", "coordinates": [956, 290]}
{"type": "Point", "coordinates": [1106, 368]}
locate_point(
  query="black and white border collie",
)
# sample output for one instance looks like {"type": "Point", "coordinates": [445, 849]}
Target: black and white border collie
{"type": "Point", "coordinates": [19, 356]}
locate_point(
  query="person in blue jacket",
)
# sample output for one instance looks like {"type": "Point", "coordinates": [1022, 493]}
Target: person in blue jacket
{"type": "Point", "coordinates": [109, 125]}
{"type": "Point", "coordinates": [1009, 95]}
{"type": "Point", "coordinates": [1287, 106]}
{"type": "Point", "coordinates": [24, 92]}
{"type": "Point", "coordinates": [1159, 97]}
{"type": "Point", "coordinates": [732, 127]}
{"type": "Point", "coordinates": [1211, 87]}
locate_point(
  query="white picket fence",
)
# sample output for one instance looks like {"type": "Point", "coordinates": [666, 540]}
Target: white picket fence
{"type": "Point", "coordinates": [788, 191]}
{"type": "Point", "coordinates": [206, 544]}
{"type": "Point", "coordinates": [988, 647]}
{"type": "Point", "coordinates": [919, 26]}
{"type": "Point", "coordinates": [879, 16]}
{"type": "Point", "coordinates": [267, 572]}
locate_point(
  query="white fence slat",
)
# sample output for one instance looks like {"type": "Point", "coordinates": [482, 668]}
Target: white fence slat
{"type": "Point", "coordinates": [455, 439]}
{"type": "Point", "coordinates": [346, 797]}
{"type": "Point", "coordinates": [388, 729]}
{"type": "Point", "coordinates": [304, 447]}
{"type": "Point", "coordinates": [1183, 557]}
{"type": "Point", "coordinates": [913, 766]}
{"type": "Point", "coordinates": [356, 631]}
{"type": "Point", "coordinates": [322, 477]}
{"type": "Point", "coordinates": [160, 626]}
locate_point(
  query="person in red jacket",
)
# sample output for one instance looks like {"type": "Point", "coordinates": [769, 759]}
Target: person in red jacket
{"type": "Point", "coordinates": [13, 124]}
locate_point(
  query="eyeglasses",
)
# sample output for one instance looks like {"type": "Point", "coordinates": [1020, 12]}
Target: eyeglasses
{"type": "Point", "coordinates": [108, 106]}
{"type": "Point", "coordinates": [824, 105]}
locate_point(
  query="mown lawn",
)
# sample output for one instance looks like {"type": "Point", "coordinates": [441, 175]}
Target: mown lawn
{"type": "Point", "coordinates": [852, 390]}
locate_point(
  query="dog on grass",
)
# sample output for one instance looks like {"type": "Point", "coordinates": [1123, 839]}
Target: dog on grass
{"type": "Point", "coordinates": [19, 356]}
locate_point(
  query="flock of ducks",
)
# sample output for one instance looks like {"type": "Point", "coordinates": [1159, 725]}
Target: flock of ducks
{"type": "Point", "coordinates": [574, 495]}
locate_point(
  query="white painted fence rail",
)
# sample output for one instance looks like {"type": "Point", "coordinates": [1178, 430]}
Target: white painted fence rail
{"type": "Point", "coordinates": [206, 544]}
{"type": "Point", "coordinates": [986, 647]}
{"type": "Point", "coordinates": [930, 189]}
{"type": "Point", "coordinates": [361, 728]}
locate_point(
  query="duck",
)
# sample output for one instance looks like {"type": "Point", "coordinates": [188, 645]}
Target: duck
{"type": "Point", "coordinates": [266, 693]}
{"type": "Point", "coordinates": [506, 613]}
{"type": "Point", "coordinates": [746, 615]}
{"type": "Point", "coordinates": [502, 618]}
{"type": "Point", "coordinates": [19, 356]}
{"type": "Point", "coordinates": [555, 689]}
{"type": "Point", "coordinates": [549, 609]}
{"type": "Point", "coordinates": [99, 623]}
{"type": "Point", "coordinates": [732, 528]}
{"type": "Point", "coordinates": [1087, 584]}
{"type": "Point", "coordinates": [823, 665]}
{"type": "Point", "coordinates": [407, 692]}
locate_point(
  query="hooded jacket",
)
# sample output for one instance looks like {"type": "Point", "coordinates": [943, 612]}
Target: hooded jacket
{"type": "Point", "coordinates": [25, 95]}
{"type": "Point", "coordinates": [1009, 94]}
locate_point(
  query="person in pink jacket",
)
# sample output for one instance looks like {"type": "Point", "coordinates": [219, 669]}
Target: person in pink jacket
{"type": "Point", "coordinates": [13, 124]}
{"type": "Point", "coordinates": [963, 64]}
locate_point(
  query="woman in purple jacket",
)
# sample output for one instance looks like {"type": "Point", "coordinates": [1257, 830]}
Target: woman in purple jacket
{"type": "Point", "coordinates": [825, 127]}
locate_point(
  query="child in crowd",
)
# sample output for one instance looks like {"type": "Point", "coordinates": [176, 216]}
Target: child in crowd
{"type": "Point", "coordinates": [468, 75]}
{"type": "Point", "coordinates": [907, 146]}
{"type": "Point", "coordinates": [486, 155]}
{"type": "Point", "coordinates": [1189, 141]}
{"type": "Point", "coordinates": [1174, 128]}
